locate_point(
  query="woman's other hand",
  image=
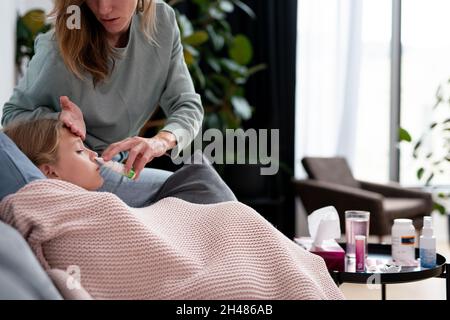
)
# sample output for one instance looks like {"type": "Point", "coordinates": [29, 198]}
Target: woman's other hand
{"type": "Point", "coordinates": [72, 117]}
{"type": "Point", "coordinates": [141, 150]}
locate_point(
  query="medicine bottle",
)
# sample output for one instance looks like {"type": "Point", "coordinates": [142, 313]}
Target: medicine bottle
{"type": "Point", "coordinates": [427, 244]}
{"type": "Point", "coordinates": [403, 242]}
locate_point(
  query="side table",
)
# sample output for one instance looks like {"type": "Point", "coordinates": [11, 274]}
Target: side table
{"type": "Point", "coordinates": [382, 253]}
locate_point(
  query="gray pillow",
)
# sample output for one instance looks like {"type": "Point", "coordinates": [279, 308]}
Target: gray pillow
{"type": "Point", "coordinates": [21, 275]}
{"type": "Point", "coordinates": [196, 183]}
{"type": "Point", "coordinates": [16, 170]}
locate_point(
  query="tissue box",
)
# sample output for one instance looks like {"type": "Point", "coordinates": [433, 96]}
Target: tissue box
{"type": "Point", "coordinates": [330, 251]}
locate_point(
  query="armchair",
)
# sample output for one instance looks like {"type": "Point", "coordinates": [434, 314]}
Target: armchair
{"type": "Point", "coordinates": [332, 183]}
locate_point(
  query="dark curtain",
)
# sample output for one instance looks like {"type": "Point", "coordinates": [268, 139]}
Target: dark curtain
{"type": "Point", "coordinates": [272, 91]}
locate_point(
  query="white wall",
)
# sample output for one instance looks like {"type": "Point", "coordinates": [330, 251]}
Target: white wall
{"type": "Point", "coordinates": [8, 16]}
{"type": "Point", "coordinates": [7, 45]}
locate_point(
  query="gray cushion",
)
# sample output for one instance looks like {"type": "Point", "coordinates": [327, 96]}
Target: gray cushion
{"type": "Point", "coordinates": [21, 275]}
{"type": "Point", "coordinates": [197, 182]}
{"type": "Point", "coordinates": [334, 170]}
{"type": "Point", "coordinates": [16, 170]}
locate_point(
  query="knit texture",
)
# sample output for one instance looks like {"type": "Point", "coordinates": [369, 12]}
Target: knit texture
{"type": "Point", "coordinates": [170, 250]}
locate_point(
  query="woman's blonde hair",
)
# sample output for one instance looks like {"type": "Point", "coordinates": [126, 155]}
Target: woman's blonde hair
{"type": "Point", "coordinates": [86, 50]}
{"type": "Point", "coordinates": [37, 139]}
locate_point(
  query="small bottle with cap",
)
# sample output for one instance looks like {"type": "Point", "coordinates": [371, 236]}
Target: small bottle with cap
{"type": "Point", "coordinates": [117, 167]}
{"type": "Point", "coordinates": [427, 244]}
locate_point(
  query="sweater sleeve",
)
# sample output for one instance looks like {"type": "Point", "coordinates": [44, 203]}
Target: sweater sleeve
{"type": "Point", "coordinates": [179, 101]}
{"type": "Point", "coordinates": [37, 93]}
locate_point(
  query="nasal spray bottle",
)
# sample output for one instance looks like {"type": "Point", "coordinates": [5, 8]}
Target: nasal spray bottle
{"type": "Point", "coordinates": [427, 244]}
{"type": "Point", "coordinates": [117, 167]}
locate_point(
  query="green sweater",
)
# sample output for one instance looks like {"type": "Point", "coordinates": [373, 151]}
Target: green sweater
{"type": "Point", "coordinates": [144, 77]}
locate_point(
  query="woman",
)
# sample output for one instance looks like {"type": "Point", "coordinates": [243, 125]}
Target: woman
{"type": "Point", "coordinates": [124, 60]}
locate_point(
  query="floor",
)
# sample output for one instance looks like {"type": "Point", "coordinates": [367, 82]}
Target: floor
{"type": "Point", "coordinates": [430, 289]}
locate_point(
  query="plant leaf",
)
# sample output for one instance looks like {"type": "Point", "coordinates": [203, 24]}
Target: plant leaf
{"type": "Point", "coordinates": [260, 67]}
{"type": "Point", "coordinates": [429, 179]}
{"type": "Point", "coordinates": [244, 7]}
{"type": "Point", "coordinates": [439, 207]}
{"type": "Point", "coordinates": [241, 50]}
{"type": "Point", "coordinates": [212, 97]}
{"type": "Point", "coordinates": [404, 135]}
{"type": "Point", "coordinates": [197, 38]}
{"type": "Point", "coordinates": [214, 64]}
{"type": "Point", "coordinates": [34, 20]}
{"type": "Point", "coordinates": [416, 148]}
{"type": "Point", "coordinates": [226, 6]}
{"type": "Point", "coordinates": [420, 173]}
{"type": "Point", "coordinates": [241, 107]}
{"type": "Point", "coordinates": [215, 13]}
{"type": "Point", "coordinates": [218, 41]}
{"type": "Point", "coordinates": [234, 66]}
{"type": "Point", "coordinates": [189, 58]}
{"type": "Point", "coordinates": [186, 26]}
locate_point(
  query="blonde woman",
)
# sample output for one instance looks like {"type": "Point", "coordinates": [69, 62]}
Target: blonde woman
{"type": "Point", "coordinates": [124, 60]}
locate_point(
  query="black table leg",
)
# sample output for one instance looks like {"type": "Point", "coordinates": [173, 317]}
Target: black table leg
{"type": "Point", "coordinates": [383, 291]}
{"type": "Point", "coordinates": [447, 280]}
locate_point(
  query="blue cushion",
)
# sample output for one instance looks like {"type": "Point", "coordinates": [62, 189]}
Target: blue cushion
{"type": "Point", "coordinates": [16, 170]}
{"type": "Point", "coordinates": [21, 275]}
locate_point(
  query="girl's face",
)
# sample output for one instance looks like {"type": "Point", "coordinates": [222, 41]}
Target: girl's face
{"type": "Point", "coordinates": [76, 163]}
{"type": "Point", "coordinates": [114, 15]}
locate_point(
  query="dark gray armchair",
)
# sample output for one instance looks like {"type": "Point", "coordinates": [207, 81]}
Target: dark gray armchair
{"type": "Point", "coordinates": [331, 183]}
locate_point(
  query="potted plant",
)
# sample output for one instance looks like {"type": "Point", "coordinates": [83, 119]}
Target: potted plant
{"type": "Point", "coordinates": [218, 59]}
{"type": "Point", "coordinates": [220, 64]}
{"type": "Point", "coordinates": [432, 151]}
{"type": "Point", "coordinates": [29, 26]}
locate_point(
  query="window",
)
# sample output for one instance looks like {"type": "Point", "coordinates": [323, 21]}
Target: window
{"type": "Point", "coordinates": [372, 131]}
{"type": "Point", "coordinates": [425, 65]}
{"type": "Point", "coordinates": [344, 87]}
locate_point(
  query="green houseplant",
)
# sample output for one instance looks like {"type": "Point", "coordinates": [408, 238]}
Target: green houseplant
{"type": "Point", "coordinates": [29, 26]}
{"type": "Point", "coordinates": [432, 150]}
{"type": "Point", "coordinates": [219, 60]}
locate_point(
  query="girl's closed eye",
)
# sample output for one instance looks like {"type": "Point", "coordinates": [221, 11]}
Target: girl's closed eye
{"type": "Point", "coordinates": [80, 151]}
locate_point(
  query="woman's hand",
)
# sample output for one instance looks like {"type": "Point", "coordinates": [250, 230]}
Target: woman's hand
{"type": "Point", "coordinates": [141, 150]}
{"type": "Point", "coordinates": [72, 117]}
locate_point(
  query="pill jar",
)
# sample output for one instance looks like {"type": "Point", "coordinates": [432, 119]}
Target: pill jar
{"type": "Point", "coordinates": [403, 242]}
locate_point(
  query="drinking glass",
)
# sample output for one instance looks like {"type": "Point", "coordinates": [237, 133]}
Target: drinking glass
{"type": "Point", "coordinates": [356, 223]}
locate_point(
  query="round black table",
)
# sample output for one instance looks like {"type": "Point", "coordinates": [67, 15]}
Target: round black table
{"type": "Point", "coordinates": [381, 253]}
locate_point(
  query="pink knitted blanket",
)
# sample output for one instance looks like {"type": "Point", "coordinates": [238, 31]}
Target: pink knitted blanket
{"type": "Point", "coordinates": [170, 250]}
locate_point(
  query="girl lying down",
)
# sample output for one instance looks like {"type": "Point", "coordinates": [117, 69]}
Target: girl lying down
{"type": "Point", "coordinates": [172, 249]}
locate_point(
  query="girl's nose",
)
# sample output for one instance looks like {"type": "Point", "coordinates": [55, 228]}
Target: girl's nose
{"type": "Point", "coordinates": [93, 154]}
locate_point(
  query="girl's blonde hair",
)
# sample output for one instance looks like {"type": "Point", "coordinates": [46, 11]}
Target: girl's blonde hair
{"type": "Point", "coordinates": [37, 139]}
{"type": "Point", "coordinates": [86, 50]}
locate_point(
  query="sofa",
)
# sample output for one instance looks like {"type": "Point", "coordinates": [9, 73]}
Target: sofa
{"type": "Point", "coordinates": [21, 275]}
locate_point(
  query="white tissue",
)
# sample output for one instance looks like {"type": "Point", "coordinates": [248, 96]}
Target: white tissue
{"type": "Point", "coordinates": [323, 224]}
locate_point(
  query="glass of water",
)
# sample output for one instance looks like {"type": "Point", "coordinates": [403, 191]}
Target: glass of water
{"type": "Point", "coordinates": [356, 223]}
